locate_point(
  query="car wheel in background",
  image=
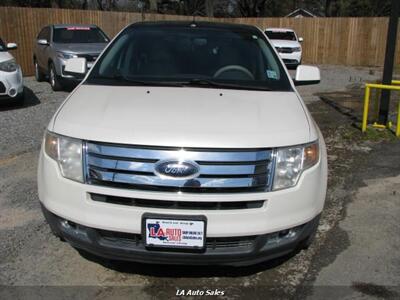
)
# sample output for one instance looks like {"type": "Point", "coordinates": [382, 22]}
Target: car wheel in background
{"type": "Point", "coordinates": [38, 74]}
{"type": "Point", "coordinates": [53, 78]}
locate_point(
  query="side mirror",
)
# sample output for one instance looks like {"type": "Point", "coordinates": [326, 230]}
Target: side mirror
{"type": "Point", "coordinates": [300, 39]}
{"type": "Point", "coordinates": [12, 46]}
{"type": "Point", "coordinates": [76, 67]}
{"type": "Point", "coordinates": [43, 42]}
{"type": "Point", "coordinates": [306, 75]}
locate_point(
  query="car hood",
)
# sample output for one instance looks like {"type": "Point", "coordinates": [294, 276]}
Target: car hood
{"type": "Point", "coordinates": [84, 48]}
{"type": "Point", "coordinates": [285, 43]}
{"type": "Point", "coordinates": [184, 117]}
{"type": "Point", "coordinates": [4, 56]}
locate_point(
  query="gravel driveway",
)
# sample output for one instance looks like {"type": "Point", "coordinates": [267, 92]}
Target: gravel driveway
{"type": "Point", "coordinates": [30, 256]}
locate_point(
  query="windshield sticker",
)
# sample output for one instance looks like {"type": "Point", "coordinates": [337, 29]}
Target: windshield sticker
{"type": "Point", "coordinates": [78, 28]}
{"type": "Point", "coordinates": [272, 74]}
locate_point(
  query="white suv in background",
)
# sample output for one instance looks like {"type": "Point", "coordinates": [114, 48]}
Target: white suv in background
{"type": "Point", "coordinates": [187, 143]}
{"type": "Point", "coordinates": [11, 81]}
{"type": "Point", "coordinates": [287, 44]}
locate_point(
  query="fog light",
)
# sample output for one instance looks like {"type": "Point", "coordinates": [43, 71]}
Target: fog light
{"type": "Point", "coordinates": [68, 225]}
{"type": "Point", "coordinates": [284, 235]}
{"type": "Point", "coordinates": [12, 92]}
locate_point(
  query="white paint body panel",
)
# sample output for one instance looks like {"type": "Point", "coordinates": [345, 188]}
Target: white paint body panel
{"type": "Point", "coordinates": [185, 117]}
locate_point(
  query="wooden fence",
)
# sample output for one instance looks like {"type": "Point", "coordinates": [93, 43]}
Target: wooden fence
{"type": "Point", "coordinates": [345, 41]}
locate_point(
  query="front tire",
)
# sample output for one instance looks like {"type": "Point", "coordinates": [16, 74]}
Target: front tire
{"type": "Point", "coordinates": [39, 76]}
{"type": "Point", "coordinates": [54, 79]}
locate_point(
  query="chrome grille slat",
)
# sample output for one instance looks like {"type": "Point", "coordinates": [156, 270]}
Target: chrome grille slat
{"type": "Point", "coordinates": [135, 166]}
{"type": "Point", "coordinates": [121, 164]}
{"type": "Point", "coordinates": [220, 156]}
{"type": "Point", "coordinates": [219, 169]}
{"type": "Point", "coordinates": [157, 181]}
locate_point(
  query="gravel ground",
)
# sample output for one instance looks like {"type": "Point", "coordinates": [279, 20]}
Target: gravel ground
{"type": "Point", "coordinates": [30, 256]}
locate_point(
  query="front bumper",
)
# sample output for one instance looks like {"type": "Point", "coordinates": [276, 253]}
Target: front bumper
{"type": "Point", "coordinates": [11, 84]}
{"type": "Point", "coordinates": [291, 59]}
{"type": "Point", "coordinates": [282, 210]}
{"type": "Point", "coordinates": [130, 247]}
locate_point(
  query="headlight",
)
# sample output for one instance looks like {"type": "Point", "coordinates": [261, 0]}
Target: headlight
{"type": "Point", "coordinates": [66, 55]}
{"type": "Point", "coordinates": [68, 154]}
{"type": "Point", "coordinates": [8, 66]}
{"type": "Point", "coordinates": [296, 49]}
{"type": "Point", "coordinates": [291, 162]}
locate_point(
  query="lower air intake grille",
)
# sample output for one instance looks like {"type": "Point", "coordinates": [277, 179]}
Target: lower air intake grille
{"type": "Point", "coordinates": [209, 205]}
{"type": "Point", "coordinates": [112, 238]}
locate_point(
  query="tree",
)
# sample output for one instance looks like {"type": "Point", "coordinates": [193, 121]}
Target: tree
{"type": "Point", "coordinates": [367, 8]}
{"type": "Point", "coordinates": [153, 5]}
{"type": "Point", "coordinates": [106, 4]}
{"type": "Point", "coordinates": [251, 8]}
{"type": "Point", "coordinates": [209, 8]}
{"type": "Point", "coordinates": [224, 8]}
{"type": "Point", "coordinates": [194, 7]}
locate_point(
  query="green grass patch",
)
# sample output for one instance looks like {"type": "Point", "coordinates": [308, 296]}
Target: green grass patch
{"type": "Point", "coordinates": [379, 134]}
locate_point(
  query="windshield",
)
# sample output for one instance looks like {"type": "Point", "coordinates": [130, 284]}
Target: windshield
{"type": "Point", "coordinates": [281, 35]}
{"type": "Point", "coordinates": [79, 34]}
{"type": "Point", "coordinates": [2, 46]}
{"type": "Point", "coordinates": [191, 56]}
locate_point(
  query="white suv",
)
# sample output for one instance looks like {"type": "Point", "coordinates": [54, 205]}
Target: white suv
{"type": "Point", "coordinates": [287, 44]}
{"type": "Point", "coordinates": [187, 143]}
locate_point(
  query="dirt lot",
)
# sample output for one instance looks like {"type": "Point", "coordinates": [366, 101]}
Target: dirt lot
{"type": "Point", "coordinates": [355, 255]}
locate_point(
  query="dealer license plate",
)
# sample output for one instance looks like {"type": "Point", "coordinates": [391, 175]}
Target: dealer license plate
{"type": "Point", "coordinates": [172, 232]}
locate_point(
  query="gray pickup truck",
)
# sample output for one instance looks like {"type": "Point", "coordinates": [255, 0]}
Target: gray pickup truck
{"type": "Point", "coordinates": [55, 44]}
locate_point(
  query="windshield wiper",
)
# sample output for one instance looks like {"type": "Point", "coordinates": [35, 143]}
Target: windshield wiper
{"type": "Point", "coordinates": [215, 84]}
{"type": "Point", "coordinates": [132, 81]}
{"type": "Point", "coordinates": [192, 82]}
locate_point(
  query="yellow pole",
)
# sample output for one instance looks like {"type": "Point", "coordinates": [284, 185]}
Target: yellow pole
{"type": "Point", "coordinates": [377, 103]}
{"type": "Point", "coordinates": [366, 105]}
{"type": "Point", "coordinates": [395, 81]}
{"type": "Point", "coordinates": [398, 121]}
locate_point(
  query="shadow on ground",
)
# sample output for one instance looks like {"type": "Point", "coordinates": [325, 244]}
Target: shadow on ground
{"type": "Point", "coordinates": [346, 103]}
{"type": "Point", "coordinates": [30, 100]}
{"type": "Point", "coordinates": [350, 103]}
{"type": "Point", "coordinates": [178, 271]}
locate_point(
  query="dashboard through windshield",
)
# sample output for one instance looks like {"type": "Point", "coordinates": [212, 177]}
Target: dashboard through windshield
{"type": "Point", "coordinates": [191, 55]}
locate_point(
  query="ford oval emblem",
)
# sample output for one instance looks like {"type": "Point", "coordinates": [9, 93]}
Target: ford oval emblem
{"type": "Point", "coordinates": [176, 169]}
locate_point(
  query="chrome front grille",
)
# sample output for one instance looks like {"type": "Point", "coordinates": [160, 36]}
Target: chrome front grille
{"type": "Point", "coordinates": [284, 49]}
{"type": "Point", "coordinates": [221, 170]}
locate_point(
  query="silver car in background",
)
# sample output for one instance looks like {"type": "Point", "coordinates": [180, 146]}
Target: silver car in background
{"type": "Point", "coordinates": [55, 44]}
